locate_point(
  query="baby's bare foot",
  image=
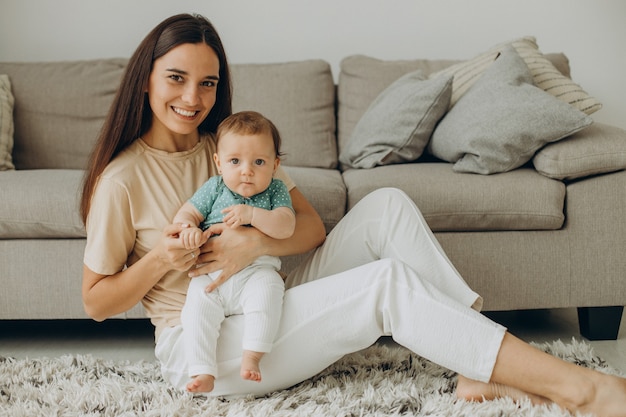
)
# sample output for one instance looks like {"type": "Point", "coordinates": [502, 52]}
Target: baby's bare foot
{"type": "Point", "coordinates": [471, 390]}
{"type": "Point", "coordinates": [201, 383]}
{"type": "Point", "coordinates": [250, 365]}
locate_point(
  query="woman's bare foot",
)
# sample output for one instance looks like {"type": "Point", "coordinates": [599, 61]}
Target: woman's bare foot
{"type": "Point", "coordinates": [250, 365]}
{"type": "Point", "coordinates": [201, 383]}
{"type": "Point", "coordinates": [606, 398]}
{"type": "Point", "coordinates": [602, 395]}
{"type": "Point", "coordinates": [471, 390]}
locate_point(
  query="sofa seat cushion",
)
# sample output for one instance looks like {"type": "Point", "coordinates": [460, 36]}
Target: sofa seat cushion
{"type": "Point", "coordinates": [325, 190]}
{"type": "Point", "coordinates": [450, 201]}
{"type": "Point", "coordinates": [40, 204]}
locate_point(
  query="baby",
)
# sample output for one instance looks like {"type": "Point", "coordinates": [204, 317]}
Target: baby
{"type": "Point", "coordinates": [244, 194]}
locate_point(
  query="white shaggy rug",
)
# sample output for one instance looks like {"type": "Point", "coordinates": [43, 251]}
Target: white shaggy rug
{"type": "Point", "coordinates": [378, 381]}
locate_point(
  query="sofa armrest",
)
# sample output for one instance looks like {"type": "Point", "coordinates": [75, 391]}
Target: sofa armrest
{"type": "Point", "coordinates": [597, 149]}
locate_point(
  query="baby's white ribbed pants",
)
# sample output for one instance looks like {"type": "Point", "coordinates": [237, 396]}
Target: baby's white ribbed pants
{"type": "Point", "coordinates": [256, 292]}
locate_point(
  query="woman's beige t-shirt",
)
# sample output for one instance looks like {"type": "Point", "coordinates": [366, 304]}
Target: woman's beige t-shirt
{"type": "Point", "coordinates": [137, 195]}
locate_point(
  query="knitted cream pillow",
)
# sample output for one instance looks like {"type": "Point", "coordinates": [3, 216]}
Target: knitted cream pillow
{"type": "Point", "coordinates": [545, 75]}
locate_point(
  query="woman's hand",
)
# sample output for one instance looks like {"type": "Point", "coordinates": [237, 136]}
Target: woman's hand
{"type": "Point", "coordinates": [107, 295]}
{"type": "Point", "coordinates": [172, 249]}
{"type": "Point", "coordinates": [231, 251]}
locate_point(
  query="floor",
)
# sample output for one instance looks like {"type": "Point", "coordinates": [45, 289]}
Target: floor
{"type": "Point", "coordinates": [133, 339]}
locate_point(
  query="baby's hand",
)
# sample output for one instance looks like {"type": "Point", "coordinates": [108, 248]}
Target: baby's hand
{"type": "Point", "coordinates": [238, 215]}
{"type": "Point", "coordinates": [191, 237]}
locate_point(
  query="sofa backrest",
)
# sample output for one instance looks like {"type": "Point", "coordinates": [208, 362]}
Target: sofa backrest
{"type": "Point", "coordinates": [60, 108]}
{"type": "Point", "coordinates": [299, 97]}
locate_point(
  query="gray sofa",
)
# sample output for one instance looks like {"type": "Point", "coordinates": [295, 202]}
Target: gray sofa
{"type": "Point", "coordinates": [548, 234]}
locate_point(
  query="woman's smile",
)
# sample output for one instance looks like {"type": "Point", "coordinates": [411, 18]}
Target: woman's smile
{"type": "Point", "coordinates": [189, 114]}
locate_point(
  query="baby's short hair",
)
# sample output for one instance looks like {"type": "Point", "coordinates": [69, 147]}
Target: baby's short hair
{"type": "Point", "coordinates": [249, 123]}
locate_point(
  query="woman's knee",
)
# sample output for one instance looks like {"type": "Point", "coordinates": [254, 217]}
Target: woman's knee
{"type": "Point", "coordinates": [386, 270]}
{"type": "Point", "coordinates": [390, 197]}
{"type": "Point", "coordinates": [387, 194]}
{"type": "Point", "coordinates": [390, 264]}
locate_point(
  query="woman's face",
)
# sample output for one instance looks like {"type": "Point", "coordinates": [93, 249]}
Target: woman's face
{"type": "Point", "coordinates": [182, 88]}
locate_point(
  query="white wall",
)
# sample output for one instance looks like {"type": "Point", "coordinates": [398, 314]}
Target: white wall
{"type": "Point", "coordinates": [591, 33]}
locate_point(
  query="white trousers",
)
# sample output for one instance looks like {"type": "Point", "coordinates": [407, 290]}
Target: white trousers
{"type": "Point", "coordinates": [256, 292]}
{"type": "Point", "coordinates": [380, 272]}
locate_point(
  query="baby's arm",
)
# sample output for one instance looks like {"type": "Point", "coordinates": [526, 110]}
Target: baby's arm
{"type": "Point", "coordinates": [278, 223]}
{"type": "Point", "coordinates": [191, 237]}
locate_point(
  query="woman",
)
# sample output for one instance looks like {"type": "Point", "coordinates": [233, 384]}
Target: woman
{"type": "Point", "coordinates": [392, 278]}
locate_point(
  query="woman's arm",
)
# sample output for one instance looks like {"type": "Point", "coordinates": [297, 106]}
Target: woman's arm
{"type": "Point", "coordinates": [107, 295]}
{"type": "Point", "coordinates": [237, 248]}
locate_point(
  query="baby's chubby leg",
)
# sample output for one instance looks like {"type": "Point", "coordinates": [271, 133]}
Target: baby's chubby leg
{"type": "Point", "coordinates": [201, 319]}
{"type": "Point", "coordinates": [261, 302]}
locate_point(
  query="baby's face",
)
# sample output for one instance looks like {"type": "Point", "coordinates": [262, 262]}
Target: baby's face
{"type": "Point", "coordinates": [247, 162]}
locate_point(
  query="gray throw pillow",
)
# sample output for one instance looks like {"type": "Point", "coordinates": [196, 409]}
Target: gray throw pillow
{"type": "Point", "coordinates": [397, 125]}
{"type": "Point", "coordinates": [502, 120]}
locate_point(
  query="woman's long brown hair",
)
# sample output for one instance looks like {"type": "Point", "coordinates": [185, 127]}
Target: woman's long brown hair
{"type": "Point", "coordinates": [130, 115]}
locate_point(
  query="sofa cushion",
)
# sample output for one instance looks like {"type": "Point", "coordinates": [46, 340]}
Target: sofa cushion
{"type": "Point", "coordinates": [503, 120]}
{"type": "Point", "coordinates": [6, 123]}
{"type": "Point", "coordinates": [598, 149]}
{"type": "Point", "coordinates": [398, 124]}
{"type": "Point", "coordinates": [450, 201]}
{"type": "Point", "coordinates": [40, 204]}
{"type": "Point", "coordinates": [59, 109]}
{"type": "Point", "coordinates": [41, 279]}
{"type": "Point", "coordinates": [545, 75]}
{"type": "Point", "coordinates": [363, 78]}
{"type": "Point", "coordinates": [299, 97]}
{"type": "Point", "coordinates": [325, 190]}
